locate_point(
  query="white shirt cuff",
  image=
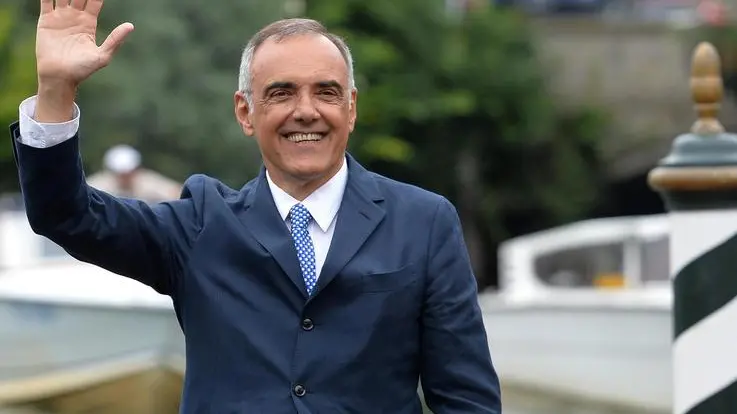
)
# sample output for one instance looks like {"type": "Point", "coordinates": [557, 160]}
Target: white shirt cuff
{"type": "Point", "coordinates": [41, 135]}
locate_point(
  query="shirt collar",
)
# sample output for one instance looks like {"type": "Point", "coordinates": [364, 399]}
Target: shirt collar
{"type": "Point", "coordinates": [323, 203]}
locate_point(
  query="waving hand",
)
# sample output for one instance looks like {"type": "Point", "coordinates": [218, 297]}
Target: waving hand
{"type": "Point", "coordinates": [66, 48]}
{"type": "Point", "coordinates": [67, 53]}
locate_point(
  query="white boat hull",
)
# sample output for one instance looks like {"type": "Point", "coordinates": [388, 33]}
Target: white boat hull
{"type": "Point", "coordinates": [99, 327]}
{"type": "Point", "coordinates": [610, 347]}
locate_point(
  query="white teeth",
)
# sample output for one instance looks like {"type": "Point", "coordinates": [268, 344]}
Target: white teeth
{"type": "Point", "coordinates": [299, 137]}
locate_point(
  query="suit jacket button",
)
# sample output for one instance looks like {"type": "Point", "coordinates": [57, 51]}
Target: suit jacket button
{"type": "Point", "coordinates": [299, 390]}
{"type": "Point", "coordinates": [307, 324]}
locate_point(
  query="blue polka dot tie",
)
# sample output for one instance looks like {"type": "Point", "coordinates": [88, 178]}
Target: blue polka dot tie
{"type": "Point", "coordinates": [300, 218]}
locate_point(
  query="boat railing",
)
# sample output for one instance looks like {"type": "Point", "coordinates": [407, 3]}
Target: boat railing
{"type": "Point", "coordinates": [19, 245]}
{"type": "Point", "coordinates": [11, 202]}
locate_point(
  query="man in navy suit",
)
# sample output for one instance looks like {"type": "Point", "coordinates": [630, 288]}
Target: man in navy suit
{"type": "Point", "coordinates": [318, 287]}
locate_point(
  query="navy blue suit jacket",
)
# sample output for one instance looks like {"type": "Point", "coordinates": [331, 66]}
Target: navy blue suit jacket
{"type": "Point", "coordinates": [396, 301]}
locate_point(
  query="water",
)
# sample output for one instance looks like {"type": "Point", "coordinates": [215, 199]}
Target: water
{"type": "Point", "coordinates": [525, 402]}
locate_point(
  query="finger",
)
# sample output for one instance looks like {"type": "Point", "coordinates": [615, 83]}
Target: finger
{"type": "Point", "coordinates": [94, 7]}
{"type": "Point", "coordinates": [60, 4]}
{"type": "Point", "coordinates": [47, 6]}
{"type": "Point", "coordinates": [114, 40]}
{"type": "Point", "coordinates": [78, 4]}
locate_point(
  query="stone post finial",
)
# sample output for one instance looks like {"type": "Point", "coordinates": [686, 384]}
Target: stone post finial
{"type": "Point", "coordinates": [707, 89]}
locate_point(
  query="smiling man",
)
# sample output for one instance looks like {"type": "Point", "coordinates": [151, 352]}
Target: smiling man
{"type": "Point", "coordinates": [318, 287]}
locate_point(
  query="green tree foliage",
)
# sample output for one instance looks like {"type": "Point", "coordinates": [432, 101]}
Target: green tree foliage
{"type": "Point", "coordinates": [17, 81]}
{"type": "Point", "coordinates": [458, 104]}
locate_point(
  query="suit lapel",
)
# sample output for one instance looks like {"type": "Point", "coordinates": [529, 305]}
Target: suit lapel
{"type": "Point", "coordinates": [359, 214]}
{"type": "Point", "coordinates": [262, 219]}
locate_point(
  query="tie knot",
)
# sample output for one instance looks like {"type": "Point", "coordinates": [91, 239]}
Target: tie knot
{"type": "Point", "coordinates": [299, 216]}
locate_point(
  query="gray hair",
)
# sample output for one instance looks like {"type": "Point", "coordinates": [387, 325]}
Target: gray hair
{"type": "Point", "coordinates": [279, 31]}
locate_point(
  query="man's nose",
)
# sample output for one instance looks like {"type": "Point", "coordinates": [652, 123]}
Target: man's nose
{"type": "Point", "coordinates": [305, 109]}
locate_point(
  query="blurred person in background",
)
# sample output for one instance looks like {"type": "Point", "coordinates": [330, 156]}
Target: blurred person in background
{"type": "Point", "coordinates": [123, 176]}
{"type": "Point", "coordinates": [319, 286]}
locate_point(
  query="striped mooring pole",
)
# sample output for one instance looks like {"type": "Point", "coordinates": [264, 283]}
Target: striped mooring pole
{"type": "Point", "coordinates": [698, 184]}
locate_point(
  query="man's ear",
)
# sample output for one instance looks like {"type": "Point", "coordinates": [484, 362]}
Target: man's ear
{"type": "Point", "coordinates": [352, 109]}
{"type": "Point", "coordinates": [243, 113]}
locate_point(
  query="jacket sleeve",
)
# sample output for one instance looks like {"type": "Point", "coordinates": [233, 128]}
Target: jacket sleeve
{"type": "Point", "coordinates": [148, 243]}
{"type": "Point", "coordinates": [457, 374]}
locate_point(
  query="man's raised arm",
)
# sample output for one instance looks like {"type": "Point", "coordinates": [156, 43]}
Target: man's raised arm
{"type": "Point", "coordinates": [129, 237]}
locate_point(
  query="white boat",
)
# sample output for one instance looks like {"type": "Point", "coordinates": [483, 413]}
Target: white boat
{"type": "Point", "coordinates": [66, 326]}
{"type": "Point", "coordinates": [584, 311]}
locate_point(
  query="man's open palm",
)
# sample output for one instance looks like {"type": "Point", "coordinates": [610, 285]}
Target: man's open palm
{"type": "Point", "coordinates": [66, 48]}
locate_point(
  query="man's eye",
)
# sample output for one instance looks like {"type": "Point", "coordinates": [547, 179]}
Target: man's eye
{"type": "Point", "coordinates": [279, 94]}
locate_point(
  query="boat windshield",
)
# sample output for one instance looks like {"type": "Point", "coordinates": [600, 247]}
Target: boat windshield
{"type": "Point", "coordinates": [580, 266]}
{"type": "Point", "coordinates": [606, 265]}
{"type": "Point", "coordinates": [655, 259]}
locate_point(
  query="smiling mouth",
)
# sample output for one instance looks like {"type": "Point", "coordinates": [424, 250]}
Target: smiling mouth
{"type": "Point", "coordinates": [302, 137]}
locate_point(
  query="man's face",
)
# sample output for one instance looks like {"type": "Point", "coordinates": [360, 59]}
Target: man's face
{"type": "Point", "coordinates": [303, 108]}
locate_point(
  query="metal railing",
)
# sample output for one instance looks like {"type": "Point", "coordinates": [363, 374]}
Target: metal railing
{"type": "Point", "coordinates": [11, 202]}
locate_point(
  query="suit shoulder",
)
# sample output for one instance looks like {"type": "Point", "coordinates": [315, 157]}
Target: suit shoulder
{"type": "Point", "coordinates": [418, 198]}
{"type": "Point", "coordinates": [201, 186]}
{"type": "Point", "coordinates": [208, 195]}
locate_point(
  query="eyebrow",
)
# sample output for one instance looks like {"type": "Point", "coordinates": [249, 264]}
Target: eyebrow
{"type": "Point", "coordinates": [279, 85]}
{"type": "Point", "coordinates": [292, 85]}
{"type": "Point", "coordinates": [330, 84]}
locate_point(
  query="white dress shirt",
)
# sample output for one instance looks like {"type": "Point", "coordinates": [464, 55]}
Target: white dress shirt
{"type": "Point", "coordinates": [323, 203]}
